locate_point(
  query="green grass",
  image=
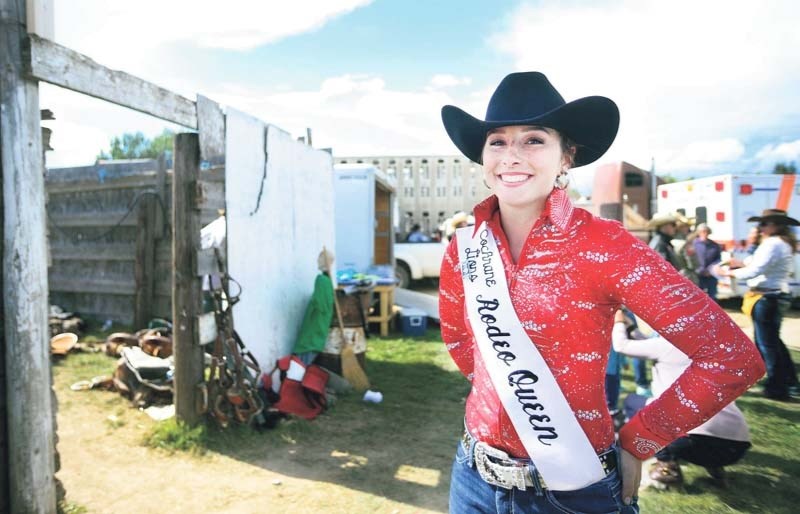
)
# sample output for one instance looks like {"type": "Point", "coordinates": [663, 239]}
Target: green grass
{"type": "Point", "coordinates": [765, 480]}
{"type": "Point", "coordinates": [360, 445]}
{"type": "Point", "coordinates": [173, 436]}
{"type": "Point", "coordinates": [65, 507]}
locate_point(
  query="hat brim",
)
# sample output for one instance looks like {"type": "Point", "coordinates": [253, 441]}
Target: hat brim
{"type": "Point", "coordinates": [784, 220]}
{"type": "Point", "coordinates": [661, 221]}
{"type": "Point", "coordinates": [590, 122]}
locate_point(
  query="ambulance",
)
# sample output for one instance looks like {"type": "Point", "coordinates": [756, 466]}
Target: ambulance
{"type": "Point", "coordinates": [725, 202]}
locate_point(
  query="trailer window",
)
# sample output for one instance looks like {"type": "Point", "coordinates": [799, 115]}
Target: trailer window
{"type": "Point", "coordinates": [633, 180]}
{"type": "Point", "coordinates": [701, 215]}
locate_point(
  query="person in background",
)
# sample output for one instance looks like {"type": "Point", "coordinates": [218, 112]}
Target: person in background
{"type": "Point", "coordinates": [719, 442]}
{"type": "Point", "coordinates": [684, 249]}
{"type": "Point", "coordinates": [767, 274]}
{"type": "Point", "coordinates": [417, 235]}
{"type": "Point", "coordinates": [459, 220]}
{"type": "Point", "coordinates": [709, 254]}
{"type": "Point", "coordinates": [664, 226]}
{"type": "Point", "coordinates": [687, 256]}
{"type": "Point", "coordinates": [683, 227]}
{"type": "Point", "coordinates": [753, 240]}
{"type": "Point", "coordinates": [527, 300]}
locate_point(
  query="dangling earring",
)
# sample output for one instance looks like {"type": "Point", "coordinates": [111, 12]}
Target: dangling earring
{"type": "Point", "coordinates": [562, 180]}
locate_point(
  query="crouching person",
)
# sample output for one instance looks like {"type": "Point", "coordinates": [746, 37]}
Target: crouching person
{"type": "Point", "coordinates": [721, 441]}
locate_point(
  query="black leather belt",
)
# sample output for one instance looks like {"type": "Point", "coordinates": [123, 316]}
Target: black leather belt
{"type": "Point", "coordinates": [496, 467]}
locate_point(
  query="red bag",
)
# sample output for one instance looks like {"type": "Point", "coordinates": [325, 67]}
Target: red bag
{"type": "Point", "coordinates": [304, 397]}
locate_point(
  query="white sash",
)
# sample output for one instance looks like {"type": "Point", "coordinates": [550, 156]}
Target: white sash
{"type": "Point", "coordinates": [541, 416]}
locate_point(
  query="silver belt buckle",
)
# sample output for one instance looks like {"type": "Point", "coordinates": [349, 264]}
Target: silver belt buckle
{"type": "Point", "coordinates": [507, 477]}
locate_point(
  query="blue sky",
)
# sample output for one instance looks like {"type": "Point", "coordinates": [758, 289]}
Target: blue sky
{"type": "Point", "coordinates": [703, 87]}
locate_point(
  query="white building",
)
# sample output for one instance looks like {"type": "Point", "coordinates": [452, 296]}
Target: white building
{"type": "Point", "coordinates": [429, 188]}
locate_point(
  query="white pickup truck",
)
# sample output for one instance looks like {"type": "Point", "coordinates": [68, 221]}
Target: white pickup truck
{"type": "Point", "coordinates": [415, 261]}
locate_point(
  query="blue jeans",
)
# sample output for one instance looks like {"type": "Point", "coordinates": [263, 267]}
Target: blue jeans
{"type": "Point", "coordinates": [640, 372]}
{"type": "Point", "coordinates": [612, 391]}
{"type": "Point", "coordinates": [781, 372]}
{"type": "Point", "coordinates": [470, 494]}
{"type": "Point", "coordinates": [709, 285]}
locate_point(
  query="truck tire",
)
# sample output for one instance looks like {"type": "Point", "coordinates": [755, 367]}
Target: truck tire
{"type": "Point", "coordinates": [402, 274]}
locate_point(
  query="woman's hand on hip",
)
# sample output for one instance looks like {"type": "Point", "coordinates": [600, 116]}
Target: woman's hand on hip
{"type": "Point", "coordinates": [631, 473]}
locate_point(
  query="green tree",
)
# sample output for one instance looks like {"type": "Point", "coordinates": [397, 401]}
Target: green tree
{"type": "Point", "coordinates": [785, 169]}
{"type": "Point", "coordinates": [137, 146]}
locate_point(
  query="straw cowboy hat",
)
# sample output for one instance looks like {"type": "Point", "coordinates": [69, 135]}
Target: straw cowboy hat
{"type": "Point", "coordinates": [776, 216]}
{"type": "Point", "coordinates": [661, 218]}
{"type": "Point", "coordinates": [685, 220]}
{"type": "Point", "coordinates": [528, 98]}
{"type": "Point", "coordinates": [460, 217]}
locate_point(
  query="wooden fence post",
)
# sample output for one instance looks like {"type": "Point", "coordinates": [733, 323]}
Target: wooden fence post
{"type": "Point", "coordinates": [31, 462]}
{"type": "Point", "coordinates": [161, 191]}
{"type": "Point", "coordinates": [186, 292]}
{"type": "Point", "coordinates": [144, 267]}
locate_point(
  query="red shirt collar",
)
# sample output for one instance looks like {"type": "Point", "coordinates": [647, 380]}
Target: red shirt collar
{"type": "Point", "coordinates": [558, 210]}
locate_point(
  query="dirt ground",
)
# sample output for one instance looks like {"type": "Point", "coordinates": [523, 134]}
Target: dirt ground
{"type": "Point", "coordinates": [105, 468]}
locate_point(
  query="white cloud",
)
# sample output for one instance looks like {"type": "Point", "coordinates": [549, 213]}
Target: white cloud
{"type": "Point", "coordinates": [707, 155]}
{"type": "Point", "coordinates": [444, 80]}
{"type": "Point", "coordinates": [772, 154]}
{"type": "Point", "coordinates": [118, 35]}
{"type": "Point", "coordinates": [353, 114]}
{"type": "Point", "coordinates": [785, 151]}
{"type": "Point", "coordinates": [680, 71]}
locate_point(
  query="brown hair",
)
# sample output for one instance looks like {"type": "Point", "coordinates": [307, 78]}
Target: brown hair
{"type": "Point", "coordinates": [785, 232]}
{"type": "Point", "coordinates": [569, 148]}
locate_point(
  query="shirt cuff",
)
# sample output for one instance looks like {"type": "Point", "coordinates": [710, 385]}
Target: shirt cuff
{"type": "Point", "coordinates": [636, 439]}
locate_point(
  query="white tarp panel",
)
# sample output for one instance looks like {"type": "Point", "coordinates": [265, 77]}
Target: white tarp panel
{"type": "Point", "coordinates": [278, 222]}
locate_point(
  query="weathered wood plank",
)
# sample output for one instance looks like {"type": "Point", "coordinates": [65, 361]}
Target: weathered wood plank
{"type": "Point", "coordinates": [214, 174]}
{"type": "Point", "coordinates": [102, 171]}
{"type": "Point", "coordinates": [206, 262]}
{"type": "Point", "coordinates": [92, 285]}
{"type": "Point", "coordinates": [50, 62]}
{"type": "Point", "coordinates": [164, 288]}
{"type": "Point", "coordinates": [118, 308]}
{"type": "Point", "coordinates": [164, 253]}
{"type": "Point", "coordinates": [144, 268]}
{"type": "Point", "coordinates": [189, 365]}
{"type": "Point", "coordinates": [94, 252]}
{"type": "Point", "coordinates": [29, 465]}
{"type": "Point", "coordinates": [144, 182]}
{"type": "Point", "coordinates": [161, 217]}
{"type": "Point", "coordinates": [94, 219]}
{"type": "Point", "coordinates": [210, 195]}
{"type": "Point", "coordinates": [211, 128]}
{"type": "Point", "coordinates": [41, 17]}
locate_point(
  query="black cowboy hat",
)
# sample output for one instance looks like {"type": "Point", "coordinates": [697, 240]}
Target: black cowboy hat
{"type": "Point", "coordinates": [776, 216]}
{"type": "Point", "coordinates": [528, 98]}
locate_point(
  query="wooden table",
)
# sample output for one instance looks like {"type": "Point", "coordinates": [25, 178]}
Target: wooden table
{"type": "Point", "coordinates": [385, 308]}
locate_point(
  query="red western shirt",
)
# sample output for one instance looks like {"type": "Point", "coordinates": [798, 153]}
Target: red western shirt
{"type": "Point", "coordinates": [575, 270]}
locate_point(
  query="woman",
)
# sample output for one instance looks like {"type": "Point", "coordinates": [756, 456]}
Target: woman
{"type": "Point", "coordinates": [719, 442]}
{"type": "Point", "coordinates": [527, 302]}
{"type": "Point", "coordinates": [767, 273]}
